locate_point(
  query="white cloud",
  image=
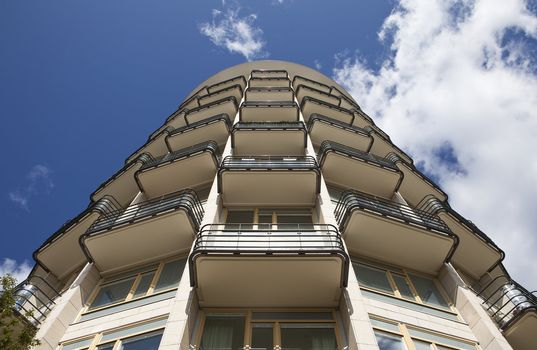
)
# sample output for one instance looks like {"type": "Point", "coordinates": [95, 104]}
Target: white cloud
{"type": "Point", "coordinates": [317, 64]}
{"type": "Point", "coordinates": [38, 181]}
{"type": "Point", "coordinates": [19, 271]}
{"type": "Point", "coordinates": [235, 33]}
{"type": "Point", "coordinates": [460, 84]}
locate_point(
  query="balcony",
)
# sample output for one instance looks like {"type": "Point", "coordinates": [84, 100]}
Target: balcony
{"type": "Point", "coordinates": [269, 111]}
{"type": "Point", "coordinates": [269, 82]}
{"type": "Point", "coordinates": [186, 168]}
{"type": "Point", "coordinates": [143, 232]}
{"type": "Point", "coordinates": [175, 120]}
{"type": "Point", "coordinates": [122, 185]}
{"type": "Point", "coordinates": [34, 299]}
{"type": "Point", "coordinates": [216, 128]}
{"type": "Point", "coordinates": [345, 101]}
{"type": "Point", "coordinates": [226, 105]}
{"type": "Point", "coordinates": [277, 139]}
{"type": "Point", "coordinates": [514, 309]}
{"type": "Point", "coordinates": [269, 73]}
{"type": "Point", "coordinates": [348, 167]}
{"type": "Point", "coordinates": [476, 253]}
{"type": "Point", "coordinates": [296, 266]}
{"type": "Point", "coordinates": [415, 185]}
{"type": "Point", "coordinates": [394, 233]}
{"type": "Point", "coordinates": [240, 80]}
{"type": "Point", "coordinates": [300, 80]}
{"type": "Point", "coordinates": [310, 105]}
{"type": "Point", "coordinates": [269, 181]}
{"type": "Point", "coordinates": [230, 91]}
{"type": "Point", "coordinates": [383, 146]}
{"type": "Point", "coordinates": [304, 90]}
{"type": "Point", "coordinates": [269, 94]}
{"type": "Point", "coordinates": [155, 146]}
{"type": "Point", "coordinates": [322, 128]}
{"type": "Point", "coordinates": [61, 253]}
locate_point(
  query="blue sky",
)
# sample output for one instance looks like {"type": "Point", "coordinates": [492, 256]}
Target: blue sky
{"type": "Point", "coordinates": [82, 84]}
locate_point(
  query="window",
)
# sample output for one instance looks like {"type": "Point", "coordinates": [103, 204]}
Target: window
{"type": "Point", "coordinates": [150, 280]}
{"type": "Point", "coordinates": [268, 330]}
{"type": "Point", "coordinates": [397, 336]}
{"type": "Point", "coordinates": [401, 284]}
{"type": "Point", "coordinates": [282, 219]}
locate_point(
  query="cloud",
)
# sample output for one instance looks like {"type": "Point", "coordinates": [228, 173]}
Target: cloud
{"type": "Point", "coordinates": [19, 271]}
{"type": "Point", "coordinates": [317, 64]}
{"type": "Point", "coordinates": [235, 33]}
{"type": "Point", "coordinates": [38, 181]}
{"type": "Point", "coordinates": [457, 90]}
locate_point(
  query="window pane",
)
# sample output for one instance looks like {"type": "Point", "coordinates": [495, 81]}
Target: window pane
{"type": "Point", "coordinates": [223, 333]}
{"type": "Point", "coordinates": [113, 293]}
{"type": "Point", "coordinates": [428, 292]}
{"type": "Point", "coordinates": [171, 274]}
{"type": "Point", "coordinates": [388, 341]}
{"type": "Point", "coordinates": [237, 217]}
{"type": "Point", "coordinates": [403, 287]}
{"type": "Point", "coordinates": [421, 345]}
{"type": "Point", "coordinates": [306, 337]}
{"type": "Point", "coordinates": [371, 277]}
{"type": "Point", "coordinates": [108, 346]}
{"type": "Point", "coordinates": [262, 336]}
{"type": "Point", "coordinates": [145, 282]}
{"type": "Point", "coordinates": [149, 341]}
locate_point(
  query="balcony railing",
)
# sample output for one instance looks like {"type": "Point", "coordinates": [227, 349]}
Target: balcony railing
{"type": "Point", "coordinates": [185, 199]}
{"type": "Point", "coordinates": [506, 301]}
{"type": "Point", "coordinates": [339, 125]}
{"type": "Point", "coordinates": [269, 240]}
{"type": "Point", "coordinates": [351, 200]}
{"type": "Point", "coordinates": [269, 73]}
{"type": "Point", "coordinates": [210, 146]}
{"type": "Point", "coordinates": [331, 146]}
{"type": "Point", "coordinates": [269, 163]}
{"type": "Point", "coordinates": [34, 299]}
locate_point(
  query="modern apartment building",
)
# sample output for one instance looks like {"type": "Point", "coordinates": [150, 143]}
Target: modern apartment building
{"type": "Point", "coordinates": [270, 212]}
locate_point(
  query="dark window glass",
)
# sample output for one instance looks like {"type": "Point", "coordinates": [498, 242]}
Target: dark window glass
{"type": "Point", "coordinates": [223, 333]}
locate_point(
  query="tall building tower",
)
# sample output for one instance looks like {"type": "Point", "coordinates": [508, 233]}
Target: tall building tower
{"type": "Point", "coordinates": [270, 212]}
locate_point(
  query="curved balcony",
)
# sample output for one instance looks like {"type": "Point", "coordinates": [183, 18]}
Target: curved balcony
{"type": "Point", "coordinates": [345, 101]}
{"type": "Point", "coordinates": [348, 167]}
{"type": "Point", "coordinates": [300, 80]}
{"type": "Point", "coordinates": [240, 80]}
{"type": "Point", "coordinates": [122, 185]}
{"type": "Point", "coordinates": [383, 146]}
{"type": "Point", "coordinates": [269, 94]}
{"type": "Point", "coordinates": [192, 101]}
{"type": "Point", "coordinates": [230, 91]}
{"type": "Point", "coordinates": [269, 73]}
{"type": "Point", "coordinates": [297, 266]}
{"type": "Point", "coordinates": [514, 309]}
{"type": "Point", "coordinates": [416, 186]}
{"type": "Point", "coordinates": [277, 139]}
{"type": "Point", "coordinates": [34, 299]}
{"type": "Point", "coordinates": [304, 90]}
{"type": "Point", "coordinates": [394, 233]}
{"type": "Point", "coordinates": [175, 120]}
{"type": "Point", "coordinates": [60, 254]}
{"type": "Point", "coordinates": [228, 105]}
{"type": "Point", "coordinates": [476, 253]}
{"type": "Point", "coordinates": [270, 181]}
{"type": "Point", "coordinates": [310, 106]}
{"type": "Point", "coordinates": [143, 232]}
{"type": "Point", "coordinates": [269, 111]}
{"type": "Point", "coordinates": [156, 146]}
{"type": "Point", "coordinates": [216, 128]}
{"type": "Point", "coordinates": [189, 167]}
{"type": "Point", "coordinates": [322, 128]}
{"type": "Point", "coordinates": [269, 82]}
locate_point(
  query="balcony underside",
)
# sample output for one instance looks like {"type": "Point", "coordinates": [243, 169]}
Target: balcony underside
{"type": "Point", "coordinates": [231, 91]}
{"type": "Point", "coordinates": [187, 172]}
{"type": "Point", "coordinates": [283, 112]}
{"type": "Point", "coordinates": [521, 332]}
{"type": "Point", "coordinates": [375, 236]}
{"type": "Point", "coordinates": [133, 243]}
{"type": "Point", "coordinates": [276, 142]}
{"type": "Point", "coordinates": [304, 90]}
{"type": "Point", "coordinates": [415, 187]}
{"type": "Point", "coordinates": [299, 80]}
{"type": "Point", "coordinates": [321, 130]}
{"type": "Point", "coordinates": [268, 281]}
{"type": "Point", "coordinates": [347, 172]}
{"type": "Point", "coordinates": [269, 188]}
{"type": "Point", "coordinates": [313, 106]}
{"type": "Point", "coordinates": [226, 106]}
{"type": "Point", "coordinates": [473, 254]}
{"type": "Point", "coordinates": [156, 146]}
{"type": "Point", "coordinates": [269, 94]}
{"type": "Point", "coordinates": [269, 82]}
{"type": "Point", "coordinates": [217, 131]}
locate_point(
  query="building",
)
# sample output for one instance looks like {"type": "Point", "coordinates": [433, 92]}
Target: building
{"type": "Point", "coordinates": [269, 211]}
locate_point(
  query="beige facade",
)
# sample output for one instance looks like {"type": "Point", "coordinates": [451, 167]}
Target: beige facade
{"type": "Point", "coordinates": [270, 212]}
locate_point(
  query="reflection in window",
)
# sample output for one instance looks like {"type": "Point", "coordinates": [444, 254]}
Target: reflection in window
{"type": "Point", "coordinates": [387, 341]}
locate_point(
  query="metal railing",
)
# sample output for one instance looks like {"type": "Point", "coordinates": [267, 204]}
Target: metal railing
{"type": "Point", "coordinates": [210, 105]}
{"type": "Point", "coordinates": [217, 86]}
{"type": "Point", "coordinates": [351, 200]}
{"type": "Point", "coordinates": [336, 108]}
{"type": "Point", "coordinates": [269, 240]}
{"type": "Point", "coordinates": [506, 301]}
{"type": "Point", "coordinates": [269, 126]}
{"type": "Point", "coordinates": [266, 73]}
{"type": "Point", "coordinates": [34, 299]}
{"type": "Point", "coordinates": [185, 199]}
{"type": "Point", "coordinates": [218, 92]}
{"type": "Point", "coordinates": [338, 124]}
{"type": "Point", "coordinates": [331, 146]}
{"type": "Point", "coordinates": [203, 122]}
{"type": "Point", "coordinates": [207, 146]}
{"type": "Point", "coordinates": [269, 163]}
